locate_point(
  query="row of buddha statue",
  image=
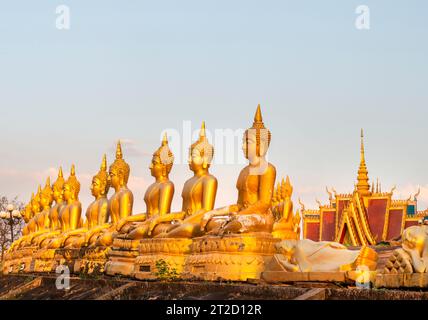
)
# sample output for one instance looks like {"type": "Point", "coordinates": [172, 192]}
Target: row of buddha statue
{"type": "Point", "coordinates": [53, 215]}
{"type": "Point", "coordinates": [242, 236]}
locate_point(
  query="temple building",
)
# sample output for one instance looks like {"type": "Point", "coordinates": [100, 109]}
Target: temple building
{"type": "Point", "coordinates": [366, 216]}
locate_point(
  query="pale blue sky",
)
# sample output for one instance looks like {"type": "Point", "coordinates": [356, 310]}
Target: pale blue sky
{"type": "Point", "coordinates": [129, 69]}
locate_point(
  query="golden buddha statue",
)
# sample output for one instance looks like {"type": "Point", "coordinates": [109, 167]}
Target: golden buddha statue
{"type": "Point", "coordinates": [412, 257]}
{"type": "Point", "coordinates": [158, 197]}
{"type": "Point", "coordinates": [97, 214]}
{"type": "Point", "coordinates": [199, 193]}
{"type": "Point", "coordinates": [255, 185]}
{"type": "Point", "coordinates": [70, 214]}
{"type": "Point", "coordinates": [324, 256]}
{"type": "Point", "coordinates": [287, 225]}
{"type": "Point", "coordinates": [27, 215]}
{"type": "Point", "coordinates": [54, 213]}
{"type": "Point", "coordinates": [32, 226]}
{"type": "Point", "coordinates": [42, 219]}
{"type": "Point", "coordinates": [121, 203]}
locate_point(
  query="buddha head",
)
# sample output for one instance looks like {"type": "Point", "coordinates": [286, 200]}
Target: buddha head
{"type": "Point", "coordinates": [256, 140]}
{"type": "Point", "coordinates": [101, 182]}
{"type": "Point", "coordinates": [58, 187]}
{"type": "Point", "coordinates": [201, 152]}
{"type": "Point", "coordinates": [162, 161]}
{"type": "Point", "coordinates": [35, 202]}
{"type": "Point", "coordinates": [119, 170]}
{"type": "Point", "coordinates": [286, 188]}
{"type": "Point", "coordinates": [71, 186]}
{"type": "Point", "coordinates": [46, 197]}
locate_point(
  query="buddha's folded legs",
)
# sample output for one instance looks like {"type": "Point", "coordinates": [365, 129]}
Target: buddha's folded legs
{"type": "Point", "coordinates": [139, 232]}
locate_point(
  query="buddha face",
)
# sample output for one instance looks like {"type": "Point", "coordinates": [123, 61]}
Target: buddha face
{"type": "Point", "coordinates": [116, 178]}
{"type": "Point", "coordinates": [157, 169]}
{"type": "Point", "coordinates": [46, 199]}
{"type": "Point", "coordinates": [249, 147]}
{"type": "Point", "coordinates": [57, 193]}
{"type": "Point", "coordinates": [27, 212]}
{"type": "Point", "coordinates": [35, 206]}
{"type": "Point", "coordinates": [68, 192]}
{"type": "Point", "coordinates": [96, 188]}
{"type": "Point", "coordinates": [196, 161]}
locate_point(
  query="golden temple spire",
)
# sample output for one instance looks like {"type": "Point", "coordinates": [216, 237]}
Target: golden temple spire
{"type": "Point", "coordinates": [48, 182]}
{"type": "Point", "coordinates": [73, 171]}
{"type": "Point", "coordinates": [60, 173]}
{"type": "Point", "coordinates": [363, 186]}
{"type": "Point", "coordinates": [119, 154]}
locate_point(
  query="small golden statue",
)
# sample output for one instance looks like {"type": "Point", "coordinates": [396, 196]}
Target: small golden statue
{"type": "Point", "coordinates": [287, 225]}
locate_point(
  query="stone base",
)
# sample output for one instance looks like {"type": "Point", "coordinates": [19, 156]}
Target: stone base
{"type": "Point", "coordinates": [232, 257]}
{"type": "Point", "coordinates": [19, 261]}
{"type": "Point", "coordinates": [44, 260]}
{"type": "Point", "coordinates": [93, 260]}
{"type": "Point", "coordinates": [163, 258]}
{"type": "Point", "coordinates": [401, 280]}
{"type": "Point", "coordinates": [67, 257]}
{"type": "Point", "coordinates": [121, 258]}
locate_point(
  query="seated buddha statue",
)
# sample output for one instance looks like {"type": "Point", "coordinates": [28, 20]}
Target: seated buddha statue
{"type": "Point", "coordinates": [121, 202]}
{"type": "Point", "coordinates": [158, 197]}
{"type": "Point", "coordinates": [32, 225]}
{"type": "Point", "coordinates": [287, 225]}
{"type": "Point", "coordinates": [42, 219]}
{"type": "Point", "coordinates": [27, 215]}
{"type": "Point", "coordinates": [97, 214]}
{"type": "Point", "coordinates": [255, 185]}
{"type": "Point", "coordinates": [70, 214]}
{"type": "Point", "coordinates": [199, 193]}
{"type": "Point", "coordinates": [54, 213]}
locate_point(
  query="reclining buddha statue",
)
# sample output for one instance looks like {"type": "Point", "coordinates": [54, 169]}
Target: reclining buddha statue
{"type": "Point", "coordinates": [255, 185]}
{"type": "Point", "coordinates": [324, 256]}
{"type": "Point", "coordinates": [158, 197]}
{"type": "Point", "coordinates": [199, 194]}
{"type": "Point", "coordinates": [97, 214]}
{"type": "Point", "coordinates": [412, 257]}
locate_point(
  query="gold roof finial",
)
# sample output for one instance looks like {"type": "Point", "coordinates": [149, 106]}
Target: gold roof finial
{"type": "Point", "coordinates": [48, 182]}
{"type": "Point", "coordinates": [73, 170]}
{"type": "Point", "coordinates": [119, 154]}
{"type": "Point", "coordinates": [60, 173]}
{"type": "Point", "coordinates": [363, 186]}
